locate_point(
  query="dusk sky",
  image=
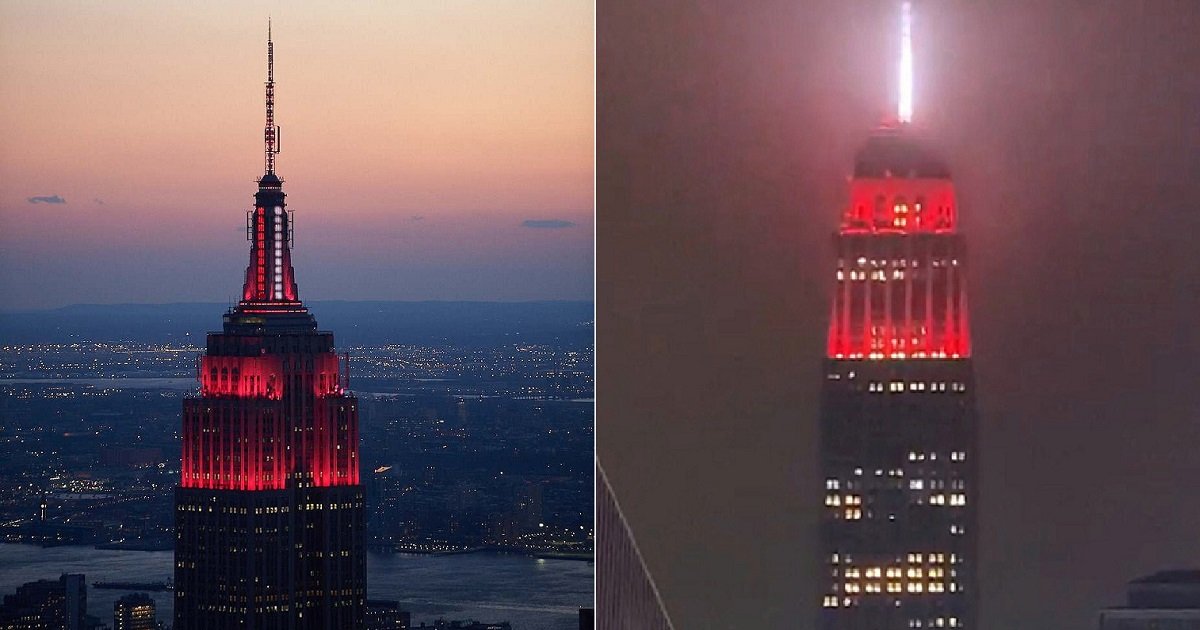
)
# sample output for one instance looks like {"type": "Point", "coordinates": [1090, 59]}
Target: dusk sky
{"type": "Point", "coordinates": [726, 132]}
{"type": "Point", "coordinates": [431, 150]}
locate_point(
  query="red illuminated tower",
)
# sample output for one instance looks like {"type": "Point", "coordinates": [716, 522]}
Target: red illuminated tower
{"type": "Point", "coordinates": [269, 511]}
{"type": "Point", "coordinates": [898, 420]}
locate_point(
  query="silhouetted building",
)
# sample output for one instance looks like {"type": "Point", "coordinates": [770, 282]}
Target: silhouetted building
{"type": "Point", "coordinates": [1167, 600]}
{"type": "Point", "coordinates": [47, 605]}
{"type": "Point", "coordinates": [134, 612]}
{"type": "Point", "coordinates": [898, 428]}
{"type": "Point", "coordinates": [384, 614]}
{"type": "Point", "coordinates": [269, 512]}
{"type": "Point", "coordinates": [626, 596]}
{"type": "Point", "coordinates": [442, 624]}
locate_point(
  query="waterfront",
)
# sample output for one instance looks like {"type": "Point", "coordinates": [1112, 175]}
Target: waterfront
{"type": "Point", "coordinates": [531, 593]}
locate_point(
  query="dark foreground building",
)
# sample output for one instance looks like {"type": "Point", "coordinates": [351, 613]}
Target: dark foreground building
{"type": "Point", "coordinates": [625, 593]}
{"type": "Point", "coordinates": [269, 513]}
{"type": "Point", "coordinates": [47, 605]}
{"type": "Point", "coordinates": [1167, 600]}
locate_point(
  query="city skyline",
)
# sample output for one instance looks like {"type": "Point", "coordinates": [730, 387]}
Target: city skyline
{"type": "Point", "coordinates": [446, 146]}
{"type": "Point", "coordinates": [743, 233]}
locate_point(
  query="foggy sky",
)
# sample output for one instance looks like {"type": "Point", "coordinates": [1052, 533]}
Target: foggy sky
{"type": "Point", "coordinates": [417, 137]}
{"type": "Point", "coordinates": [726, 132]}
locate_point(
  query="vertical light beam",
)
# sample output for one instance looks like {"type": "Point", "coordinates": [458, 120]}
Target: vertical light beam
{"type": "Point", "coordinates": [905, 109]}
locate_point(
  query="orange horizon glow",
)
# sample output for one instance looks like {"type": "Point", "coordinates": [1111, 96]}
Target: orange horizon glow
{"type": "Point", "coordinates": [413, 134]}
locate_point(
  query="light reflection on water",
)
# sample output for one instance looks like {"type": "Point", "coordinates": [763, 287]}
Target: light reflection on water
{"type": "Point", "coordinates": [532, 594]}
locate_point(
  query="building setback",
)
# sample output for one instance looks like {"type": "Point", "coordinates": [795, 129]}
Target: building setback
{"type": "Point", "coordinates": [269, 512]}
{"type": "Point", "coordinates": [1167, 600]}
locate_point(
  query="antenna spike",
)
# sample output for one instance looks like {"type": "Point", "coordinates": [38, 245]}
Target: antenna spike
{"type": "Point", "coordinates": [271, 131]}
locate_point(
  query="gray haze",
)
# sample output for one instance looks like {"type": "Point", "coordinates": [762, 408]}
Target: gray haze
{"type": "Point", "coordinates": [725, 133]}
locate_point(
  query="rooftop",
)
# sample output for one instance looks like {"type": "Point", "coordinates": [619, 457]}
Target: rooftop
{"type": "Point", "coordinates": [1175, 576]}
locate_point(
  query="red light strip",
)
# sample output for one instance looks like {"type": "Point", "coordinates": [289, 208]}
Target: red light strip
{"type": "Point", "coordinates": [900, 205]}
{"type": "Point", "coordinates": [898, 297]}
{"type": "Point", "coordinates": [236, 435]}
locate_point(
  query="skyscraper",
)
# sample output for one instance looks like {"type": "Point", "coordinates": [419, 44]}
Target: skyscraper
{"type": "Point", "coordinates": [134, 612]}
{"type": "Point", "coordinates": [47, 604]}
{"type": "Point", "coordinates": [269, 512]}
{"type": "Point", "coordinates": [898, 424]}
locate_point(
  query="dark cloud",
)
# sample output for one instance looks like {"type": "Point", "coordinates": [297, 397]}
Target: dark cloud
{"type": "Point", "coordinates": [547, 223]}
{"type": "Point", "coordinates": [98, 201]}
{"type": "Point", "coordinates": [416, 218]}
{"type": "Point", "coordinates": [49, 199]}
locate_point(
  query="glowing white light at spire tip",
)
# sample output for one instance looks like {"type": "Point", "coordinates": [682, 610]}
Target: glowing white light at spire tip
{"type": "Point", "coordinates": [905, 108]}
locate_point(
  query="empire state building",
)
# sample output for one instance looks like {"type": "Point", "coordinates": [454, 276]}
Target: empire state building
{"type": "Point", "coordinates": [899, 431]}
{"type": "Point", "coordinates": [269, 511]}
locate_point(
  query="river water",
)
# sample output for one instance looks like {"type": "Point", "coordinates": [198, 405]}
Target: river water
{"type": "Point", "coordinates": [530, 593]}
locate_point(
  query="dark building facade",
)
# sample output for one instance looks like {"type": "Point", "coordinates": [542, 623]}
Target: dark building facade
{"type": "Point", "coordinates": [269, 512]}
{"type": "Point", "coordinates": [47, 605]}
{"type": "Point", "coordinates": [1167, 600]}
{"type": "Point", "coordinates": [898, 428]}
{"type": "Point", "coordinates": [626, 596]}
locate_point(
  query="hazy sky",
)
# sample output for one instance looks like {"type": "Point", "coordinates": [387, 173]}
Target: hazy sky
{"type": "Point", "coordinates": [726, 130]}
{"type": "Point", "coordinates": [418, 138]}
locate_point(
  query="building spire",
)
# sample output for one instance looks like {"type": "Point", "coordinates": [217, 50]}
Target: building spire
{"type": "Point", "coordinates": [905, 102]}
{"type": "Point", "coordinates": [271, 132]}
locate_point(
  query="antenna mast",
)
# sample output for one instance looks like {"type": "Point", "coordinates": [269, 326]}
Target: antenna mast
{"type": "Point", "coordinates": [271, 133]}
